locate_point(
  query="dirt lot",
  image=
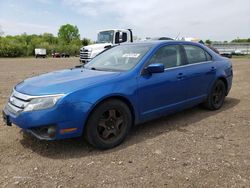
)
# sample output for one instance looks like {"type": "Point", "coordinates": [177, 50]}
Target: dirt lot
{"type": "Point", "coordinates": [193, 148]}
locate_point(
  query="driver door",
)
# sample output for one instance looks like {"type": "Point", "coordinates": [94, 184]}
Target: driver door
{"type": "Point", "coordinates": [160, 93]}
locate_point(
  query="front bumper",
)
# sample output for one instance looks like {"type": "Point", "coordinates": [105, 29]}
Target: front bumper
{"type": "Point", "coordinates": [63, 117]}
{"type": "Point", "coordinates": [84, 61]}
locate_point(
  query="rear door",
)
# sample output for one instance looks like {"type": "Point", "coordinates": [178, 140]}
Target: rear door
{"type": "Point", "coordinates": [200, 71]}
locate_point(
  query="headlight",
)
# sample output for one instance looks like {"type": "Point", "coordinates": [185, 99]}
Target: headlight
{"type": "Point", "coordinates": [42, 103]}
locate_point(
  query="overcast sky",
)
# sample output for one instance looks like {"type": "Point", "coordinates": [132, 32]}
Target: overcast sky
{"type": "Point", "coordinates": [205, 19]}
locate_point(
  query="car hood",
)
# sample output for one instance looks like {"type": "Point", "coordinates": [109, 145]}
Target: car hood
{"type": "Point", "coordinates": [97, 46]}
{"type": "Point", "coordinates": [63, 81]}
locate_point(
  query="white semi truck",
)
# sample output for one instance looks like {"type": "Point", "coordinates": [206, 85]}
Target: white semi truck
{"type": "Point", "coordinates": [105, 39]}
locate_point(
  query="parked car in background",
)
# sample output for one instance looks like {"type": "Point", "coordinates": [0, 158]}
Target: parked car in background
{"type": "Point", "coordinates": [126, 85]}
{"type": "Point", "coordinates": [238, 52]}
{"type": "Point", "coordinates": [56, 55]}
{"type": "Point", "coordinates": [40, 52]}
{"type": "Point", "coordinates": [226, 54]}
{"type": "Point", "coordinates": [65, 55]}
{"type": "Point", "coordinates": [161, 38]}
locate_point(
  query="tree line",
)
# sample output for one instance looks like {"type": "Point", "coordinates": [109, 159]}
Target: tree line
{"type": "Point", "coordinates": [67, 41]}
{"type": "Point", "coordinates": [238, 40]}
{"type": "Point", "coordinates": [241, 40]}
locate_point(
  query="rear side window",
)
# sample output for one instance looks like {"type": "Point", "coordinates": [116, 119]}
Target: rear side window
{"type": "Point", "coordinates": [169, 56]}
{"type": "Point", "coordinates": [196, 54]}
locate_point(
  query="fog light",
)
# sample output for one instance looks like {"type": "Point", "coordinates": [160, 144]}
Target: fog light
{"type": "Point", "coordinates": [51, 132]}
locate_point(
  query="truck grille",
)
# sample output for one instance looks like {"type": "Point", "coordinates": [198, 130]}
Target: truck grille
{"type": "Point", "coordinates": [17, 102]}
{"type": "Point", "coordinates": [85, 55]}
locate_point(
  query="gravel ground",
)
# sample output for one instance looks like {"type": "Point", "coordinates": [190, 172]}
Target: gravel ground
{"type": "Point", "coordinates": [193, 148]}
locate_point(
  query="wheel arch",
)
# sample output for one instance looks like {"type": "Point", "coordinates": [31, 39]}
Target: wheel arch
{"type": "Point", "coordinates": [117, 97]}
{"type": "Point", "coordinates": [225, 82]}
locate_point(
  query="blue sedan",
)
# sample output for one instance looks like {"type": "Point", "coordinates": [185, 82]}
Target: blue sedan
{"type": "Point", "coordinates": [124, 86]}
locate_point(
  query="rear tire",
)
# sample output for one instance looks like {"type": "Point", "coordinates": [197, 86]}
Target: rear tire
{"type": "Point", "coordinates": [108, 124]}
{"type": "Point", "coordinates": [217, 96]}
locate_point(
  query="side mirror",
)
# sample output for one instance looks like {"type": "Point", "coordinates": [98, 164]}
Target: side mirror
{"type": "Point", "coordinates": [120, 37]}
{"type": "Point", "coordinates": [155, 68]}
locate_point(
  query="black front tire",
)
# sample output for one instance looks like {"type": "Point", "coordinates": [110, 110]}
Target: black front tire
{"type": "Point", "coordinates": [217, 96]}
{"type": "Point", "coordinates": [108, 124]}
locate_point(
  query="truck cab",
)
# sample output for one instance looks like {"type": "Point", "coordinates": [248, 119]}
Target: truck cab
{"type": "Point", "coordinates": [105, 40]}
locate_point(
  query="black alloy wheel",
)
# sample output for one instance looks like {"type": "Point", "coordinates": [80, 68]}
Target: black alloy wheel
{"type": "Point", "coordinates": [108, 124]}
{"type": "Point", "coordinates": [217, 96]}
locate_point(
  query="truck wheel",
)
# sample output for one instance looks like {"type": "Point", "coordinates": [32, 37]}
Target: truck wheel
{"type": "Point", "coordinates": [108, 124]}
{"type": "Point", "coordinates": [217, 96]}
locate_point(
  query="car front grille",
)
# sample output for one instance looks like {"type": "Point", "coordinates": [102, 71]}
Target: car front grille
{"type": "Point", "coordinates": [85, 55]}
{"type": "Point", "coordinates": [17, 102]}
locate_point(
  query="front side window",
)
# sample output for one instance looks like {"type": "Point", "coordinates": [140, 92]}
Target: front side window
{"type": "Point", "coordinates": [169, 56]}
{"type": "Point", "coordinates": [119, 58]}
{"type": "Point", "coordinates": [196, 54]}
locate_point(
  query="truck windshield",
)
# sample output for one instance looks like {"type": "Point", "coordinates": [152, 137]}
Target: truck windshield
{"type": "Point", "coordinates": [105, 37]}
{"type": "Point", "coordinates": [119, 58]}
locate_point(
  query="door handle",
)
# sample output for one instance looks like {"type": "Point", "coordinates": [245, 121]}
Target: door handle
{"type": "Point", "coordinates": [180, 76]}
{"type": "Point", "coordinates": [213, 69]}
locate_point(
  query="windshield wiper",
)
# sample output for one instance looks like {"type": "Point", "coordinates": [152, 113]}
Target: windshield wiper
{"type": "Point", "coordinates": [79, 66]}
{"type": "Point", "coordinates": [93, 68]}
{"type": "Point", "coordinates": [101, 69]}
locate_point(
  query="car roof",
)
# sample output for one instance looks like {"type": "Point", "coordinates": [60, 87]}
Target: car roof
{"type": "Point", "coordinates": [159, 42]}
{"type": "Point", "coordinates": [156, 43]}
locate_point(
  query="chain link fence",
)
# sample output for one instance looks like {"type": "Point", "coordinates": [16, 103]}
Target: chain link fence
{"type": "Point", "coordinates": [233, 48]}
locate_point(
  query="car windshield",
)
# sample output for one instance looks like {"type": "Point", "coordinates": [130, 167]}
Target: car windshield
{"type": "Point", "coordinates": [105, 37]}
{"type": "Point", "coordinates": [119, 58]}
